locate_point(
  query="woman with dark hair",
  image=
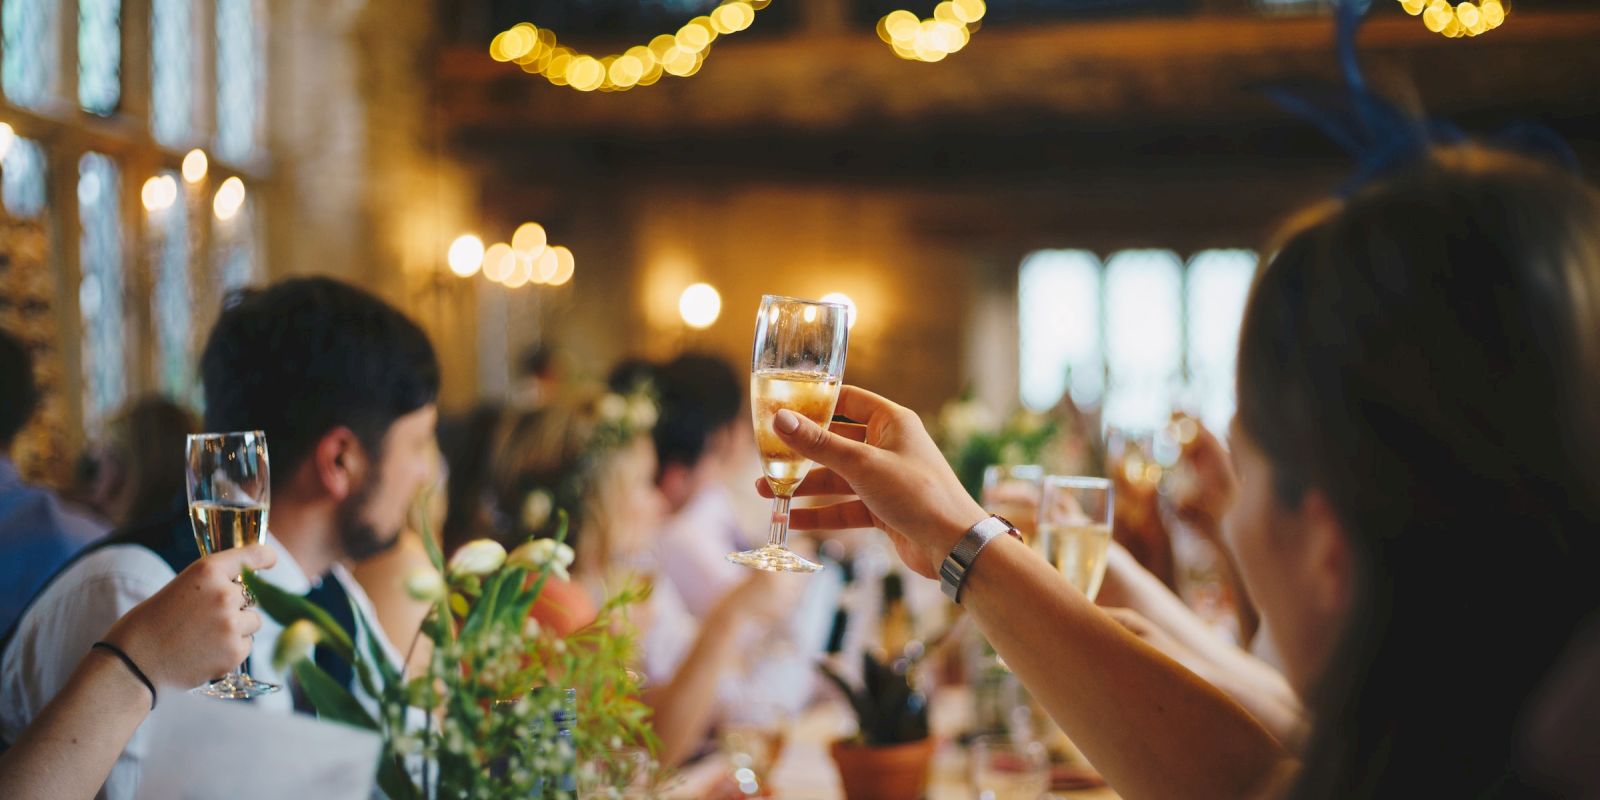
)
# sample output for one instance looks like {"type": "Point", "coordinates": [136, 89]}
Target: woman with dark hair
{"type": "Point", "coordinates": [1416, 516]}
{"type": "Point", "coordinates": [136, 472]}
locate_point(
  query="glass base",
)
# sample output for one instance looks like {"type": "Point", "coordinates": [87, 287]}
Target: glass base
{"type": "Point", "coordinates": [774, 559]}
{"type": "Point", "coordinates": [236, 687]}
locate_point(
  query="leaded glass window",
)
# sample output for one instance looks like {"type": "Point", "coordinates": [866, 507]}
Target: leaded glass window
{"type": "Point", "coordinates": [1059, 314]}
{"type": "Point", "coordinates": [173, 304]}
{"type": "Point", "coordinates": [236, 255]}
{"type": "Point", "coordinates": [99, 55]}
{"type": "Point", "coordinates": [239, 79]}
{"type": "Point", "coordinates": [1218, 285]}
{"type": "Point", "coordinates": [100, 295]}
{"type": "Point", "coordinates": [172, 71]}
{"type": "Point", "coordinates": [1138, 335]}
{"type": "Point", "coordinates": [31, 34]}
{"type": "Point", "coordinates": [24, 188]}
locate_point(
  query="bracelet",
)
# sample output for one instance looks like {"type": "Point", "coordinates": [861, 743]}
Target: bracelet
{"type": "Point", "coordinates": [132, 667]}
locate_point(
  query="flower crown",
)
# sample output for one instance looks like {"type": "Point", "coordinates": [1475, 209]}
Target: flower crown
{"type": "Point", "coordinates": [618, 418]}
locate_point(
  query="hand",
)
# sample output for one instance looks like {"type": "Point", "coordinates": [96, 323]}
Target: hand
{"type": "Point", "coordinates": [1207, 490]}
{"type": "Point", "coordinates": [891, 474]}
{"type": "Point", "coordinates": [198, 626]}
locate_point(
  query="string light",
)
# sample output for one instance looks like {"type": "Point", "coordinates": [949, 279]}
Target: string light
{"type": "Point", "coordinates": [538, 51]}
{"type": "Point", "coordinates": [159, 193]}
{"type": "Point", "coordinates": [7, 137]}
{"type": "Point", "coordinates": [529, 258]}
{"type": "Point", "coordinates": [229, 199]}
{"type": "Point", "coordinates": [699, 305]}
{"type": "Point", "coordinates": [849, 306]}
{"type": "Point", "coordinates": [1462, 19]}
{"type": "Point", "coordinates": [466, 255]}
{"type": "Point", "coordinates": [933, 39]}
{"type": "Point", "coordinates": [195, 165]}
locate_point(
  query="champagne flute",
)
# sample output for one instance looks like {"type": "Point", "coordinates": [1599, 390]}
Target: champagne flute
{"type": "Point", "coordinates": [1075, 529]}
{"type": "Point", "coordinates": [1012, 491]}
{"type": "Point", "coordinates": [229, 494]}
{"type": "Point", "coordinates": [798, 365]}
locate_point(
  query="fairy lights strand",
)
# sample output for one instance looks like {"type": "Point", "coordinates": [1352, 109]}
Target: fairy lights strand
{"type": "Point", "coordinates": [932, 39]}
{"type": "Point", "coordinates": [538, 51]}
{"type": "Point", "coordinates": [1464, 19]}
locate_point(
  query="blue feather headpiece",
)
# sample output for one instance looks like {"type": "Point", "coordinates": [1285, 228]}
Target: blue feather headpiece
{"type": "Point", "coordinates": [1381, 136]}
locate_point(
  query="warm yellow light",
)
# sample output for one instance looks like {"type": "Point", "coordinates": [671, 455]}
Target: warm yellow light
{"type": "Point", "coordinates": [8, 136]}
{"type": "Point", "coordinates": [521, 271]}
{"type": "Point", "coordinates": [699, 305]}
{"type": "Point", "coordinates": [1469, 15]}
{"type": "Point", "coordinates": [498, 261]}
{"type": "Point", "coordinates": [229, 199]}
{"type": "Point", "coordinates": [565, 266]}
{"type": "Point", "coordinates": [1413, 7]}
{"type": "Point", "coordinates": [693, 37]}
{"type": "Point", "coordinates": [849, 306]}
{"type": "Point", "coordinates": [195, 165]}
{"type": "Point", "coordinates": [732, 17]}
{"type": "Point", "coordinates": [679, 62]}
{"type": "Point", "coordinates": [518, 41]}
{"type": "Point", "coordinates": [159, 193]}
{"type": "Point", "coordinates": [544, 267]}
{"type": "Point", "coordinates": [626, 71]}
{"type": "Point", "coordinates": [969, 11]}
{"type": "Point", "coordinates": [1437, 16]}
{"type": "Point", "coordinates": [529, 239]}
{"type": "Point", "coordinates": [810, 314]}
{"type": "Point", "coordinates": [466, 255]}
{"type": "Point", "coordinates": [645, 56]}
{"type": "Point", "coordinates": [901, 25]}
{"type": "Point", "coordinates": [1494, 14]}
{"type": "Point", "coordinates": [585, 73]}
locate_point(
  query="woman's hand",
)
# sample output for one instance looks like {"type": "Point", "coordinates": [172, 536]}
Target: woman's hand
{"type": "Point", "coordinates": [889, 473]}
{"type": "Point", "coordinates": [198, 626]}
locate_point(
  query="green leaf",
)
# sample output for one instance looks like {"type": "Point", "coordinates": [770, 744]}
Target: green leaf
{"type": "Point", "coordinates": [505, 601]}
{"type": "Point", "coordinates": [331, 700]}
{"type": "Point", "coordinates": [394, 781]}
{"type": "Point", "coordinates": [483, 610]}
{"type": "Point", "coordinates": [374, 655]}
{"type": "Point", "coordinates": [286, 608]}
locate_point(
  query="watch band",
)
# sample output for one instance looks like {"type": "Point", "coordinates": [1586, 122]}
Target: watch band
{"type": "Point", "coordinates": [953, 571]}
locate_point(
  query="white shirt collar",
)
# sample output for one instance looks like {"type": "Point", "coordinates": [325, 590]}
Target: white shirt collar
{"type": "Point", "coordinates": [286, 574]}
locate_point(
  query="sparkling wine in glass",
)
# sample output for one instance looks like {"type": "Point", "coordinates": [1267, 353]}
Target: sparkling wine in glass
{"type": "Point", "coordinates": [1075, 529]}
{"type": "Point", "coordinates": [798, 365]}
{"type": "Point", "coordinates": [1012, 491]}
{"type": "Point", "coordinates": [229, 494]}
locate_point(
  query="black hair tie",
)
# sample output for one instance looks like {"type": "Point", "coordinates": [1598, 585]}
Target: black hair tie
{"type": "Point", "coordinates": [132, 667]}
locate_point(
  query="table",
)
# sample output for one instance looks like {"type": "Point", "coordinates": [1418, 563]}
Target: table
{"type": "Point", "coordinates": [806, 772]}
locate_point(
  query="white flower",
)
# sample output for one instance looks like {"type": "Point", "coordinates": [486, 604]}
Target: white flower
{"type": "Point", "coordinates": [536, 508]}
{"type": "Point", "coordinates": [425, 584]}
{"type": "Point", "coordinates": [544, 554]}
{"type": "Point", "coordinates": [642, 413]}
{"type": "Point", "coordinates": [531, 628]}
{"type": "Point", "coordinates": [479, 557]}
{"type": "Point", "coordinates": [295, 644]}
{"type": "Point", "coordinates": [612, 408]}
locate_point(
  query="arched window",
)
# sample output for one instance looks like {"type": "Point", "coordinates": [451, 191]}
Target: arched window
{"type": "Point", "coordinates": [239, 78]}
{"type": "Point", "coordinates": [172, 71]}
{"type": "Point", "coordinates": [24, 188]}
{"type": "Point", "coordinates": [101, 292]}
{"type": "Point", "coordinates": [99, 55]}
{"type": "Point", "coordinates": [173, 299]}
{"type": "Point", "coordinates": [1138, 335]}
{"type": "Point", "coordinates": [31, 31]}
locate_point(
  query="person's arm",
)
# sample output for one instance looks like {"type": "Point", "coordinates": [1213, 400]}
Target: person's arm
{"type": "Point", "coordinates": [682, 709]}
{"type": "Point", "coordinates": [1153, 728]}
{"type": "Point", "coordinates": [194, 629]}
{"type": "Point", "coordinates": [1145, 606]}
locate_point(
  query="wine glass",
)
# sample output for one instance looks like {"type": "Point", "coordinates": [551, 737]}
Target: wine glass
{"type": "Point", "coordinates": [1003, 769]}
{"type": "Point", "coordinates": [229, 494]}
{"type": "Point", "coordinates": [1075, 529]}
{"type": "Point", "coordinates": [798, 365]}
{"type": "Point", "coordinates": [1012, 491]}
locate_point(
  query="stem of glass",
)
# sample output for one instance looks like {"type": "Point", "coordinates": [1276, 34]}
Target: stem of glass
{"type": "Point", "coordinates": [780, 521]}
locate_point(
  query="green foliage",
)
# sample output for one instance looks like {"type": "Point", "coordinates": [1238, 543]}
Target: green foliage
{"type": "Point", "coordinates": [888, 708]}
{"type": "Point", "coordinates": [512, 711]}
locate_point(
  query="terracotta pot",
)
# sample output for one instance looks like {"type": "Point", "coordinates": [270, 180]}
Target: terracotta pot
{"type": "Point", "coordinates": [894, 772]}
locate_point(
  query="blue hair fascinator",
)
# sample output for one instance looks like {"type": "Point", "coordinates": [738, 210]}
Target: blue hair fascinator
{"type": "Point", "coordinates": [1384, 138]}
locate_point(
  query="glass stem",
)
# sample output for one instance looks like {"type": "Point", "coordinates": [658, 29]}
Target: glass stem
{"type": "Point", "coordinates": [780, 522]}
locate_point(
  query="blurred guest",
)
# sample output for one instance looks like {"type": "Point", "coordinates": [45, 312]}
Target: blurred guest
{"type": "Point", "coordinates": [540, 375]}
{"type": "Point", "coordinates": [1418, 502]}
{"type": "Point", "coordinates": [192, 630]}
{"type": "Point", "coordinates": [137, 468]}
{"type": "Point", "coordinates": [38, 533]}
{"type": "Point", "coordinates": [592, 456]}
{"type": "Point", "coordinates": [344, 386]}
{"type": "Point", "coordinates": [702, 436]}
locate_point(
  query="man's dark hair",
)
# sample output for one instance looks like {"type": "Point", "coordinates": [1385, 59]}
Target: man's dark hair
{"type": "Point", "coordinates": [538, 361]}
{"type": "Point", "coordinates": [632, 374]}
{"type": "Point", "coordinates": [308, 355]}
{"type": "Point", "coordinates": [699, 395]}
{"type": "Point", "coordinates": [19, 394]}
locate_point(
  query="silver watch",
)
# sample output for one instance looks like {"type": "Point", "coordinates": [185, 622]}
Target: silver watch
{"type": "Point", "coordinates": [953, 572]}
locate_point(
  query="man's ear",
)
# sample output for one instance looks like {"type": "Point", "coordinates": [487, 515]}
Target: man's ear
{"type": "Point", "coordinates": [339, 463]}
